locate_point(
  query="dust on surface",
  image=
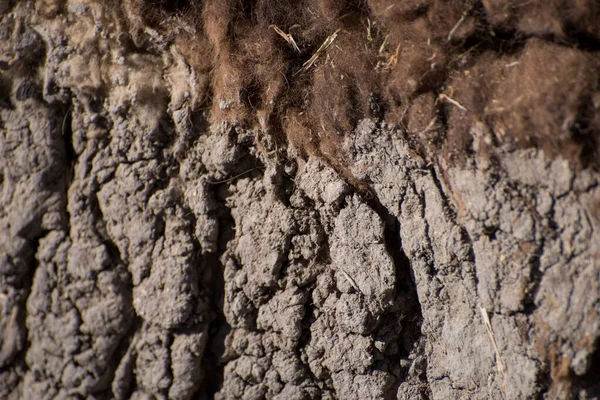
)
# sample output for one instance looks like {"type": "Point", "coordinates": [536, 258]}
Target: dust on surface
{"type": "Point", "coordinates": [313, 199]}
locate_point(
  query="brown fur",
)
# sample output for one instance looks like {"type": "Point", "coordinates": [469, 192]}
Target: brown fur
{"type": "Point", "coordinates": [404, 61]}
{"type": "Point", "coordinates": [559, 84]}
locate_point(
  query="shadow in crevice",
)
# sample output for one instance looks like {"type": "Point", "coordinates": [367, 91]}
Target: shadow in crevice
{"type": "Point", "coordinates": [125, 386]}
{"type": "Point", "coordinates": [406, 292]}
{"type": "Point", "coordinates": [213, 361]}
{"type": "Point", "coordinates": [213, 283]}
{"type": "Point", "coordinates": [589, 382]}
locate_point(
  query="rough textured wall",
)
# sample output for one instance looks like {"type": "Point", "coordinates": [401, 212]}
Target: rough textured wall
{"type": "Point", "coordinates": [159, 239]}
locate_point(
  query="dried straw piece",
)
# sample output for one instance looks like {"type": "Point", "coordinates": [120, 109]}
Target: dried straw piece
{"type": "Point", "coordinates": [455, 28]}
{"type": "Point", "coordinates": [500, 365]}
{"type": "Point", "coordinates": [330, 39]}
{"type": "Point", "coordinates": [287, 37]}
{"type": "Point", "coordinates": [452, 101]}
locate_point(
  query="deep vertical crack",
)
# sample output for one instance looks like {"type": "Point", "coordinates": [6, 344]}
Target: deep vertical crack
{"type": "Point", "coordinates": [405, 283]}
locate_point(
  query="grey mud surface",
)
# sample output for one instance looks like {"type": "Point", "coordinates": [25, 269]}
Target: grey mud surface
{"type": "Point", "coordinates": [147, 254]}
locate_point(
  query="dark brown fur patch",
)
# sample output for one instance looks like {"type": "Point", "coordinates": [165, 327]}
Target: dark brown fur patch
{"type": "Point", "coordinates": [307, 71]}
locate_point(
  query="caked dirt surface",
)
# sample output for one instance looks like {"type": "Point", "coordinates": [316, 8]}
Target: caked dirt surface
{"type": "Point", "coordinates": [321, 199]}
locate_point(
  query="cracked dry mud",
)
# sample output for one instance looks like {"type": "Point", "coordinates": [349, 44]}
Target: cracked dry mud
{"type": "Point", "coordinates": [149, 251]}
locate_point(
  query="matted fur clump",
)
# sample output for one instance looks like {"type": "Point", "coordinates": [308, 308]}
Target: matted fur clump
{"type": "Point", "coordinates": [307, 71]}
